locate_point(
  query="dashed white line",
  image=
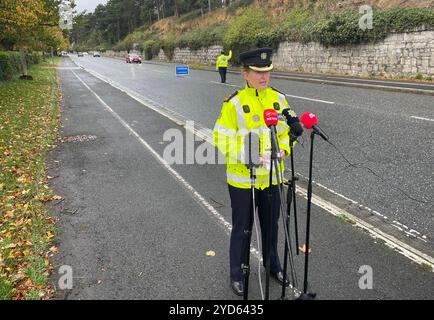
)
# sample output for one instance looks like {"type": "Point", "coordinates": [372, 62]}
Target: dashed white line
{"type": "Point", "coordinates": [288, 95]}
{"type": "Point", "coordinates": [420, 118]}
{"type": "Point", "coordinates": [226, 84]}
{"type": "Point", "coordinates": [310, 99]}
{"type": "Point", "coordinates": [158, 71]}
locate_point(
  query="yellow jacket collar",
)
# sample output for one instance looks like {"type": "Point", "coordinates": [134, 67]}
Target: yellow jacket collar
{"type": "Point", "coordinates": [254, 92]}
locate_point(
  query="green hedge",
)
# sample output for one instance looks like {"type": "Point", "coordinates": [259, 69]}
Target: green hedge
{"type": "Point", "coordinates": [199, 38]}
{"type": "Point", "coordinates": [10, 63]}
{"type": "Point", "coordinates": [342, 28]}
{"type": "Point", "coordinates": [253, 28]}
{"type": "Point", "coordinates": [151, 48]}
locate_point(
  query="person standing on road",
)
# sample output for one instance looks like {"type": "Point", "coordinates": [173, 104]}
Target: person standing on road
{"type": "Point", "coordinates": [244, 111]}
{"type": "Point", "coordinates": [222, 64]}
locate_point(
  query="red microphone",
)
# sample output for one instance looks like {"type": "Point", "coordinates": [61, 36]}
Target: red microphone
{"type": "Point", "coordinates": [271, 117]}
{"type": "Point", "coordinates": [310, 121]}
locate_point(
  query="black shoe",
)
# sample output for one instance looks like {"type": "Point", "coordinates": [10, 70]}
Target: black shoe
{"type": "Point", "coordinates": [279, 278]}
{"type": "Point", "coordinates": [238, 287]}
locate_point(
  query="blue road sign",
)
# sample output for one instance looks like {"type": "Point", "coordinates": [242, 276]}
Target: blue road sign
{"type": "Point", "coordinates": [182, 70]}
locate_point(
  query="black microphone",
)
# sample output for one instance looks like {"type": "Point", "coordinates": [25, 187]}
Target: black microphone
{"type": "Point", "coordinates": [252, 150]}
{"type": "Point", "coordinates": [294, 123]}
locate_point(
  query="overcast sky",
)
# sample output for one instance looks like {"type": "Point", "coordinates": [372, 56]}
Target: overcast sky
{"type": "Point", "coordinates": [88, 5]}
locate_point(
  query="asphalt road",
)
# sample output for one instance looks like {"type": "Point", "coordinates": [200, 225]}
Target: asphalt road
{"type": "Point", "coordinates": [390, 133]}
{"type": "Point", "coordinates": [134, 228]}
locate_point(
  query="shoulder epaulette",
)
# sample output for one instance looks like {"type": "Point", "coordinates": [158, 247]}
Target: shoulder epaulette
{"type": "Point", "coordinates": [277, 90]}
{"type": "Point", "coordinates": [231, 96]}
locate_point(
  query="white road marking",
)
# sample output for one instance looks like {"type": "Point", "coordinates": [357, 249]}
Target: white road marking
{"type": "Point", "coordinates": [310, 99]}
{"type": "Point", "coordinates": [204, 133]}
{"type": "Point", "coordinates": [158, 71]}
{"type": "Point", "coordinates": [360, 85]}
{"type": "Point", "coordinates": [288, 95]}
{"type": "Point", "coordinates": [420, 118]}
{"type": "Point", "coordinates": [368, 80]}
{"type": "Point", "coordinates": [389, 240]}
{"type": "Point", "coordinates": [226, 84]}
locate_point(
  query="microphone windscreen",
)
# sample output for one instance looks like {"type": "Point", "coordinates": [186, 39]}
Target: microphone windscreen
{"type": "Point", "coordinates": [252, 148]}
{"type": "Point", "coordinates": [308, 120]}
{"type": "Point", "coordinates": [293, 122]}
{"type": "Point", "coordinates": [271, 117]}
{"type": "Point", "coordinates": [296, 129]}
{"type": "Point", "coordinates": [290, 116]}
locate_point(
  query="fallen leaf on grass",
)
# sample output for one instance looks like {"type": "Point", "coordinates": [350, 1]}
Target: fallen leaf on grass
{"type": "Point", "coordinates": [54, 249]}
{"type": "Point", "coordinates": [9, 214]}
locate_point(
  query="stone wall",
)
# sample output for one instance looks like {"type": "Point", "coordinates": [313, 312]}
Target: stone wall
{"type": "Point", "coordinates": [206, 56]}
{"type": "Point", "coordinates": [399, 54]}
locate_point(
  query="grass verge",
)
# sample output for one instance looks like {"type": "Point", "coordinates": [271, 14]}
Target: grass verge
{"type": "Point", "coordinates": [29, 120]}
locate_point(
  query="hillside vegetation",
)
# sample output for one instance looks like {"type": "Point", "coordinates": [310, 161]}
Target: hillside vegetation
{"type": "Point", "coordinates": [249, 23]}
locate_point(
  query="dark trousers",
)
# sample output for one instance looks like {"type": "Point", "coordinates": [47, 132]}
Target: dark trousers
{"type": "Point", "coordinates": [222, 72]}
{"type": "Point", "coordinates": [241, 202]}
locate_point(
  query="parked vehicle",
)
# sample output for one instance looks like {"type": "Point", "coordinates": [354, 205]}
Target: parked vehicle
{"type": "Point", "coordinates": [96, 54]}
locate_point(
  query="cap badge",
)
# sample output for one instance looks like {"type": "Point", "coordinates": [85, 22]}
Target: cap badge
{"type": "Point", "coordinates": [264, 56]}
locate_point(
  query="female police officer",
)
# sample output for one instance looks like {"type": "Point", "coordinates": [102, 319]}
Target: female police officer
{"type": "Point", "coordinates": [241, 112]}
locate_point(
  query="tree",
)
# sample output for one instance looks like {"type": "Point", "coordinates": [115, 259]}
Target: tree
{"type": "Point", "coordinates": [27, 23]}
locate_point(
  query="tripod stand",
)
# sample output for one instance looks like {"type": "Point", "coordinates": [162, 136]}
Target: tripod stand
{"type": "Point", "coordinates": [290, 198]}
{"type": "Point", "coordinates": [275, 165]}
{"type": "Point", "coordinates": [252, 165]}
{"type": "Point", "coordinates": [308, 295]}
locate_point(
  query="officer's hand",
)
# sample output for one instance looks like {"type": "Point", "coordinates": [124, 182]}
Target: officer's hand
{"type": "Point", "coordinates": [282, 155]}
{"type": "Point", "coordinates": [265, 160]}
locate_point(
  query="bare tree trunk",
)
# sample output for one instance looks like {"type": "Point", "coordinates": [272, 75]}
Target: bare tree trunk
{"type": "Point", "coordinates": [176, 7]}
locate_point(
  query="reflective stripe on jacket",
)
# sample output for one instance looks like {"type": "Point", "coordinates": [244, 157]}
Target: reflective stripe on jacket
{"type": "Point", "coordinates": [241, 113]}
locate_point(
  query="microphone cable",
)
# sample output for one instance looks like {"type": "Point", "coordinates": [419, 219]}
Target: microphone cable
{"type": "Point", "coordinates": [256, 217]}
{"type": "Point", "coordinates": [360, 166]}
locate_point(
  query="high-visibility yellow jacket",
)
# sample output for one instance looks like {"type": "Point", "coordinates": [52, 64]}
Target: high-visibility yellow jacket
{"type": "Point", "coordinates": [223, 60]}
{"type": "Point", "coordinates": [243, 112]}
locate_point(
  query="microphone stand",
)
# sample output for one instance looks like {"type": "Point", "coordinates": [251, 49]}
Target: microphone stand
{"type": "Point", "coordinates": [275, 150]}
{"type": "Point", "coordinates": [294, 190]}
{"type": "Point", "coordinates": [308, 295]}
{"type": "Point", "coordinates": [246, 265]}
{"type": "Point", "coordinates": [291, 196]}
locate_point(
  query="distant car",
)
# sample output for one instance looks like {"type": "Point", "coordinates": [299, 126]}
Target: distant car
{"type": "Point", "coordinates": [80, 54]}
{"type": "Point", "coordinates": [63, 54]}
{"type": "Point", "coordinates": [133, 58]}
{"type": "Point", "coordinates": [96, 54]}
{"type": "Point", "coordinates": [85, 53]}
